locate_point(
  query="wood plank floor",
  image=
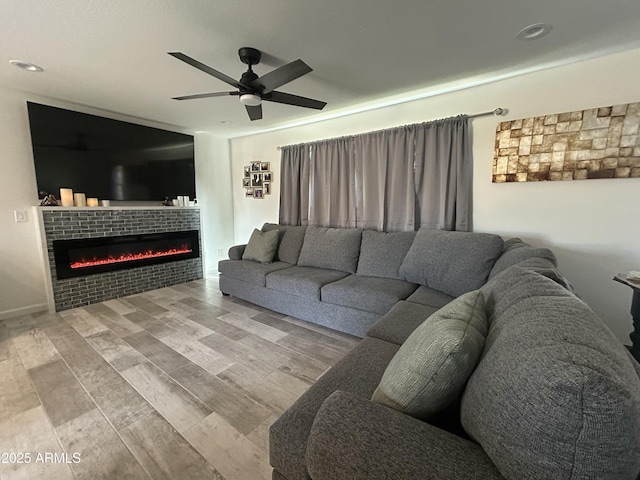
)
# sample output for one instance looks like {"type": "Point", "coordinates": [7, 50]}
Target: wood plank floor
{"type": "Point", "coordinates": [176, 383]}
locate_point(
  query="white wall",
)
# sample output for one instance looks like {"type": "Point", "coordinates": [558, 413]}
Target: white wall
{"type": "Point", "coordinates": [593, 226]}
{"type": "Point", "coordinates": [22, 284]}
{"type": "Point", "coordinates": [21, 274]}
{"type": "Point", "coordinates": [213, 185]}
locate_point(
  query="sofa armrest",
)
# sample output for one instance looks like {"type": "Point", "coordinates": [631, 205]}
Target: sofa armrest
{"type": "Point", "coordinates": [235, 252]}
{"type": "Point", "coordinates": [356, 439]}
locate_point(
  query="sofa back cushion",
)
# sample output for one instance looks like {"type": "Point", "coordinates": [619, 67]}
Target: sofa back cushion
{"type": "Point", "coordinates": [555, 394]}
{"type": "Point", "coordinates": [452, 262]}
{"type": "Point", "coordinates": [332, 248]}
{"type": "Point", "coordinates": [291, 238]}
{"type": "Point", "coordinates": [382, 253]}
{"type": "Point", "coordinates": [545, 267]}
{"type": "Point", "coordinates": [515, 251]}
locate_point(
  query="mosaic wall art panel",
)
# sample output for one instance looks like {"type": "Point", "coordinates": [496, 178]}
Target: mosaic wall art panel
{"type": "Point", "coordinates": [597, 143]}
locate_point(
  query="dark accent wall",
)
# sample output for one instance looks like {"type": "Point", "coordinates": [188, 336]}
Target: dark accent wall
{"type": "Point", "coordinates": [61, 224]}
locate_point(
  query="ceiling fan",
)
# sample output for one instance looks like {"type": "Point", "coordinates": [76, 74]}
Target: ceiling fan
{"type": "Point", "coordinates": [252, 89]}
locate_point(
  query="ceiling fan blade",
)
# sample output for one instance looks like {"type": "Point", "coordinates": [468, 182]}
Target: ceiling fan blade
{"type": "Point", "coordinates": [205, 95]}
{"type": "Point", "coordinates": [282, 75]}
{"type": "Point", "coordinates": [280, 97]}
{"type": "Point", "coordinates": [207, 69]}
{"type": "Point", "coordinates": [255, 113]}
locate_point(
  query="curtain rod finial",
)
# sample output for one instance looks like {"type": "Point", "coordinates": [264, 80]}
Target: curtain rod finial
{"type": "Point", "coordinates": [498, 112]}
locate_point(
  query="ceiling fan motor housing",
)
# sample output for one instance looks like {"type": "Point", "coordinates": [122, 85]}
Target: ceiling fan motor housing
{"type": "Point", "coordinates": [249, 56]}
{"type": "Point", "coordinates": [247, 79]}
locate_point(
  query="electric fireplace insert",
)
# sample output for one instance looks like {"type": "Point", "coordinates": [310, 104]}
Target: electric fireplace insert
{"type": "Point", "coordinates": [87, 256]}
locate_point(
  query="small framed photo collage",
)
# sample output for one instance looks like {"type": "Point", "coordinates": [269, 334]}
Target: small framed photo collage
{"type": "Point", "coordinates": [257, 179]}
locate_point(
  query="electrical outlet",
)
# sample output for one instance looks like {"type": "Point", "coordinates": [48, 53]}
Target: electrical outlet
{"type": "Point", "coordinates": [20, 216]}
{"type": "Point", "coordinates": [220, 254]}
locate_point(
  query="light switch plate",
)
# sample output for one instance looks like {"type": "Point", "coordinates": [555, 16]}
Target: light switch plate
{"type": "Point", "coordinates": [20, 216]}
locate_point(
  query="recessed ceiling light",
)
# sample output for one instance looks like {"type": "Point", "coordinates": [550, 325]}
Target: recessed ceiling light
{"type": "Point", "coordinates": [31, 67]}
{"type": "Point", "coordinates": [534, 31]}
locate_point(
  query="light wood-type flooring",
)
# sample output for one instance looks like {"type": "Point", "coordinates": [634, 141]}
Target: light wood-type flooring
{"type": "Point", "coordinates": [176, 383]}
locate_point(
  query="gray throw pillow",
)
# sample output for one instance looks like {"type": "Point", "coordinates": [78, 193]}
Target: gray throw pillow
{"type": "Point", "coordinates": [262, 246]}
{"type": "Point", "coordinates": [452, 262]}
{"type": "Point", "coordinates": [433, 365]}
{"type": "Point", "coordinates": [291, 238]}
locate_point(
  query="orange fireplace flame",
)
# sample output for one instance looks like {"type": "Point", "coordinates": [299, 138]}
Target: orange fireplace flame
{"type": "Point", "coordinates": [128, 257]}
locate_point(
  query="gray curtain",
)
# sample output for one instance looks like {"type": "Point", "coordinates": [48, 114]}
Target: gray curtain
{"type": "Point", "coordinates": [403, 178]}
{"type": "Point", "coordinates": [294, 185]}
{"type": "Point", "coordinates": [443, 174]}
{"type": "Point", "coordinates": [332, 184]}
{"type": "Point", "coordinates": [384, 179]}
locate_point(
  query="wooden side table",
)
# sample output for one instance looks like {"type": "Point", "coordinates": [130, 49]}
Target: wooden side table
{"type": "Point", "coordinates": [635, 313]}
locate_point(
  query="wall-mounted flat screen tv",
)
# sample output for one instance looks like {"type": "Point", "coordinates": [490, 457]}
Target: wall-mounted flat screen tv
{"type": "Point", "coordinates": [109, 159]}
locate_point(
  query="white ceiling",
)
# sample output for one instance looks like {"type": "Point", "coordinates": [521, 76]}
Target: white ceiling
{"type": "Point", "coordinates": [111, 54]}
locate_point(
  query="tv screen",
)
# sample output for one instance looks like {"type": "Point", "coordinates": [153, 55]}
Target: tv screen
{"type": "Point", "coordinates": [109, 159]}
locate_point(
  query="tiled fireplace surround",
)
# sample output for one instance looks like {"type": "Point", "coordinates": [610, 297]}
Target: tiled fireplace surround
{"type": "Point", "coordinates": [58, 223]}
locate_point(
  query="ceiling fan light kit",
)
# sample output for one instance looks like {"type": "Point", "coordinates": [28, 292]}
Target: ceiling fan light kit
{"type": "Point", "coordinates": [253, 89]}
{"type": "Point", "coordinates": [250, 99]}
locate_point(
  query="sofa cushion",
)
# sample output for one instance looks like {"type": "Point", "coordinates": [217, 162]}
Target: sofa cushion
{"type": "Point", "coordinates": [290, 244]}
{"type": "Point", "coordinates": [537, 264]}
{"type": "Point", "coordinates": [382, 253]}
{"type": "Point", "coordinates": [433, 365]}
{"type": "Point", "coordinates": [332, 248]}
{"type": "Point", "coordinates": [359, 373]}
{"type": "Point", "coordinates": [518, 276]}
{"type": "Point", "coordinates": [515, 251]}
{"type": "Point", "coordinates": [543, 266]}
{"type": "Point", "coordinates": [251, 272]}
{"type": "Point", "coordinates": [555, 394]}
{"type": "Point", "coordinates": [303, 281]}
{"type": "Point", "coordinates": [401, 321]}
{"type": "Point", "coordinates": [261, 247]}
{"type": "Point", "coordinates": [452, 262]}
{"type": "Point", "coordinates": [371, 294]}
{"type": "Point", "coordinates": [355, 439]}
{"type": "Point", "coordinates": [429, 296]}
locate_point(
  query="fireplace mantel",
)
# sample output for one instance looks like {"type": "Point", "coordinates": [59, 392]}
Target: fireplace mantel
{"type": "Point", "coordinates": [73, 223]}
{"type": "Point", "coordinates": [117, 207]}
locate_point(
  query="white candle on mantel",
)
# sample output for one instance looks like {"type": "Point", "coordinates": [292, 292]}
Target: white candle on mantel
{"type": "Point", "coordinates": [66, 197]}
{"type": "Point", "coordinates": [92, 202]}
{"type": "Point", "coordinates": [80, 199]}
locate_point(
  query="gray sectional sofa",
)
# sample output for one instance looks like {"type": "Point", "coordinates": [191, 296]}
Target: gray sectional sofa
{"type": "Point", "coordinates": [554, 394]}
{"type": "Point", "coordinates": [347, 279]}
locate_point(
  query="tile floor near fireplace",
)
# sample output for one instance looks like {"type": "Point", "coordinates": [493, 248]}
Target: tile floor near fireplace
{"type": "Point", "coordinates": [175, 383]}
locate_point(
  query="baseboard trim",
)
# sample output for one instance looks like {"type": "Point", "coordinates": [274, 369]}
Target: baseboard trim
{"type": "Point", "coordinates": [16, 312]}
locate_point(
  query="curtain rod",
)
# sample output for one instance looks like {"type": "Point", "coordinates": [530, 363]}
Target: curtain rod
{"type": "Point", "coordinates": [498, 112]}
